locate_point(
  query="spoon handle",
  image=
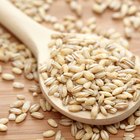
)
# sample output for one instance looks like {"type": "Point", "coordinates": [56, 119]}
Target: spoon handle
{"type": "Point", "coordinates": [27, 30]}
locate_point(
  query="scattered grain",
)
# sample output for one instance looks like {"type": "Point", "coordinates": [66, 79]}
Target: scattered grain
{"type": "Point", "coordinates": [37, 115]}
{"type": "Point", "coordinates": [48, 133]}
{"type": "Point", "coordinates": [52, 123]}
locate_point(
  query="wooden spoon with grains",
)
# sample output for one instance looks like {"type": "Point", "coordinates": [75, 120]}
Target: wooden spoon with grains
{"type": "Point", "coordinates": [37, 38]}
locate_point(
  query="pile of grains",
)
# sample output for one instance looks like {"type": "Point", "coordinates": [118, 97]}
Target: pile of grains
{"type": "Point", "coordinates": [23, 63]}
{"type": "Point", "coordinates": [91, 74]}
{"type": "Point", "coordinates": [26, 64]}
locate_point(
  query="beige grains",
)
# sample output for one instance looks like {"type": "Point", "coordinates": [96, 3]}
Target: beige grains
{"type": "Point", "coordinates": [77, 8]}
{"type": "Point", "coordinates": [127, 138]}
{"type": "Point", "coordinates": [122, 126]}
{"type": "Point", "coordinates": [131, 120]}
{"type": "Point", "coordinates": [26, 106]}
{"type": "Point", "coordinates": [99, 82]}
{"type": "Point", "coordinates": [137, 121]}
{"type": "Point", "coordinates": [15, 111]}
{"type": "Point", "coordinates": [16, 70]}
{"type": "Point", "coordinates": [49, 81]}
{"type": "Point", "coordinates": [88, 75]}
{"type": "Point", "coordinates": [94, 111]}
{"type": "Point", "coordinates": [17, 104]}
{"type": "Point", "coordinates": [34, 107]}
{"type": "Point", "coordinates": [80, 134]}
{"type": "Point", "coordinates": [118, 83]}
{"type": "Point", "coordinates": [98, 8]}
{"type": "Point", "coordinates": [117, 91]}
{"type": "Point", "coordinates": [69, 85]}
{"type": "Point", "coordinates": [12, 117]}
{"type": "Point", "coordinates": [87, 85]}
{"type": "Point", "coordinates": [121, 106]}
{"type": "Point", "coordinates": [63, 138]}
{"type": "Point", "coordinates": [35, 94]}
{"type": "Point", "coordinates": [128, 32]}
{"type": "Point", "coordinates": [77, 76]}
{"type": "Point", "coordinates": [104, 135]}
{"type": "Point", "coordinates": [74, 108]}
{"type": "Point", "coordinates": [95, 130]}
{"type": "Point", "coordinates": [81, 81]}
{"type": "Point", "coordinates": [65, 122]}
{"type": "Point", "coordinates": [58, 135]}
{"type": "Point", "coordinates": [112, 129]}
{"type": "Point", "coordinates": [115, 5]}
{"type": "Point", "coordinates": [35, 88]}
{"type": "Point", "coordinates": [19, 64]}
{"type": "Point", "coordinates": [137, 113]}
{"type": "Point", "coordinates": [3, 128]}
{"type": "Point", "coordinates": [103, 111]}
{"type": "Point", "coordinates": [54, 110]}
{"type": "Point", "coordinates": [7, 76]}
{"type": "Point", "coordinates": [37, 115]}
{"type": "Point", "coordinates": [79, 125]}
{"type": "Point", "coordinates": [52, 123]}
{"type": "Point", "coordinates": [43, 104]}
{"type": "Point", "coordinates": [132, 10]}
{"type": "Point", "coordinates": [90, 101]}
{"type": "Point", "coordinates": [95, 136]}
{"type": "Point", "coordinates": [87, 128]}
{"type": "Point", "coordinates": [21, 118]}
{"type": "Point", "coordinates": [130, 128]}
{"type": "Point", "coordinates": [48, 133]}
{"type": "Point", "coordinates": [18, 85]}
{"type": "Point", "coordinates": [48, 106]}
{"type": "Point", "coordinates": [20, 97]}
{"type": "Point", "coordinates": [44, 75]}
{"type": "Point", "coordinates": [39, 14]}
{"type": "Point", "coordinates": [73, 129]}
{"type": "Point", "coordinates": [87, 136]}
{"type": "Point", "coordinates": [76, 86]}
{"type": "Point", "coordinates": [4, 121]}
{"type": "Point", "coordinates": [121, 11]}
{"type": "Point", "coordinates": [53, 89]}
{"type": "Point", "coordinates": [136, 95]}
{"type": "Point", "coordinates": [124, 9]}
{"type": "Point", "coordinates": [128, 134]}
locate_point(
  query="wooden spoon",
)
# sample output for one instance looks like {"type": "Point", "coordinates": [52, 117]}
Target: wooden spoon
{"type": "Point", "coordinates": [36, 37]}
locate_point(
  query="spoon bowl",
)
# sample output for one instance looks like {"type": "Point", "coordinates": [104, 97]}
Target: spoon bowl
{"type": "Point", "coordinates": [85, 116]}
{"type": "Point", "coordinates": [37, 37]}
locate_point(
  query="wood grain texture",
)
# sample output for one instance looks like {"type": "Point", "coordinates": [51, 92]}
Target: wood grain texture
{"type": "Point", "coordinates": [32, 129]}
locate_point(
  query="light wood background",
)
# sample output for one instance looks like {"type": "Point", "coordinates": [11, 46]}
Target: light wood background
{"type": "Point", "coordinates": [32, 129]}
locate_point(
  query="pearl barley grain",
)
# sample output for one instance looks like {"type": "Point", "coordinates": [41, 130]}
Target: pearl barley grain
{"type": "Point", "coordinates": [21, 118]}
{"type": "Point", "coordinates": [37, 115]}
{"type": "Point", "coordinates": [4, 121]}
{"type": "Point", "coordinates": [26, 106]}
{"type": "Point", "coordinates": [18, 85]}
{"type": "Point", "coordinates": [20, 97]}
{"type": "Point", "coordinates": [3, 128]}
{"type": "Point", "coordinates": [12, 117]}
{"type": "Point", "coordinates": [17, 70]}
{"type": "Point", "coordinates": [7, 76]}
{"type": "Point", "coordinates": [52, 123]}
{"type": "Point", "coordinates": [48, 133]}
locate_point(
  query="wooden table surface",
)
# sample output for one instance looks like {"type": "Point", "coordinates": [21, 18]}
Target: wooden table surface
{"type": "Point", "coordinates": [32, 129]}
